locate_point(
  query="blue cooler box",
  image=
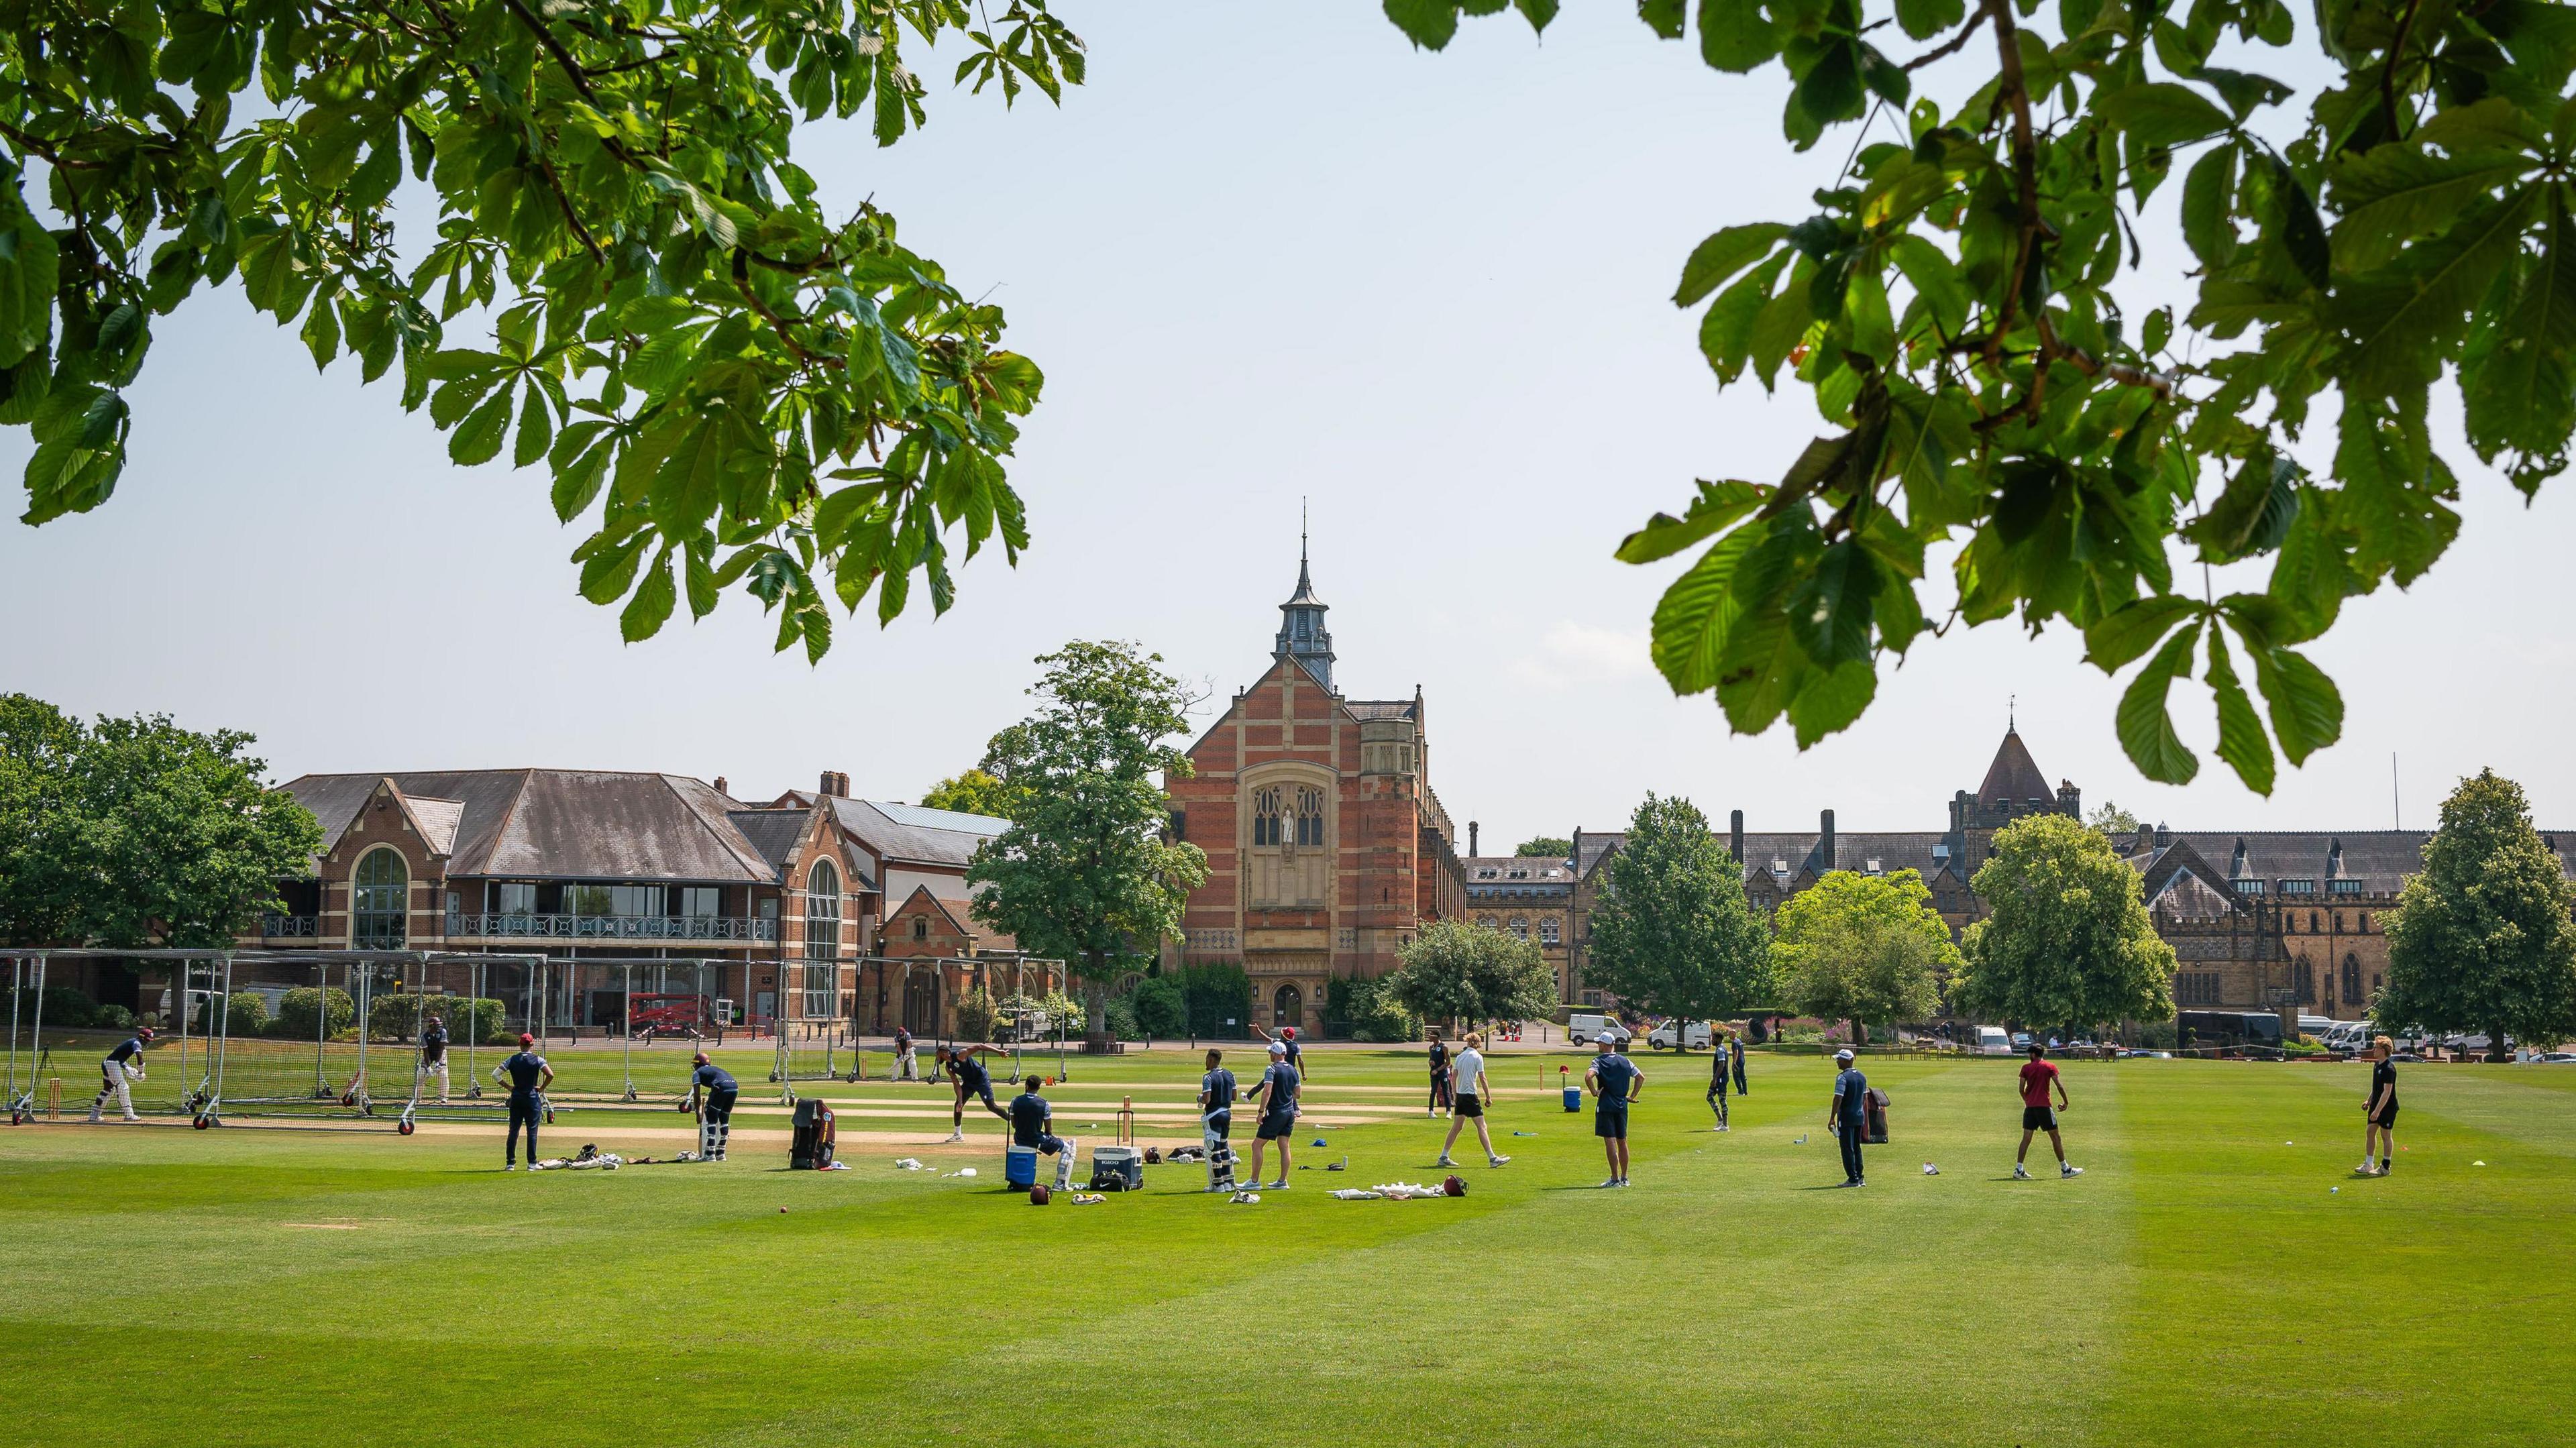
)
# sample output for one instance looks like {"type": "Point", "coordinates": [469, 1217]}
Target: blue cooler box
{"type": "Point", "coordinates": [1020, 1166]}
{"type": "Point", "coordinates": [1574, 1098]}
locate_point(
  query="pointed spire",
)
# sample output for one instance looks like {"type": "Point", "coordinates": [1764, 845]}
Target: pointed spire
{"type": "Point", "coordinates": [1302, 634]}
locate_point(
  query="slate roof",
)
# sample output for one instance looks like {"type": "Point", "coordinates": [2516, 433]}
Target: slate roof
{"type": "Point", "coordinates": [562, 824]}
{"type": "Point", "coordinates": [2014, 775]}
{"type": "Point", "coordinates": [772, 833]}
{"type": "Point", "coordinates": [921, 817]}
{"type": "Point", "coordinates": [1380, 708]}
{"type": "Point", "coordinates": [892, 839]}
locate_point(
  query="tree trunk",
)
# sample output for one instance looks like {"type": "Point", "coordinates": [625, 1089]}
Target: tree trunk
{"type": "Point", "coordinates": [1095, 1023]}
{"type": "Point", "coordinates": [2496, 1049]}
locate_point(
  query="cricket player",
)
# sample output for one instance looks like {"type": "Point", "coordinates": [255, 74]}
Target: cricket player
{"type": "Point", "coordinates": [121, 1065]}
{"type": "Point", "coordinates": [971, 1079]}
{"type": "Point", "coordinates": [1721, 1046]}
{"type": "Point", "coordinates": [712, 1091]}
{"type": "Point", "coordinates": [1615, 1082]}
{"type": "Point", "coordinates": [1470, 1090]}
{"type": "Point", "coordinates": [1277, 1094]}
{"type": "Point", "coordinates": [1033, 1126]}
{"type": "Point", "coordinates": [433, 1056]}
{"type": "Point", "coordinates": [527, 1075]}
{"type": "Point", "coordinates": [904, 1069]}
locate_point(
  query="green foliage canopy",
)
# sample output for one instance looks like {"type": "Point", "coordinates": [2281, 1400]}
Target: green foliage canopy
{"type": "Point", "coordinates": [1083, 874]}
{"type": "Point", "coordinates": [1867, 948]}
{"type": "Point", "coordinates": [973, 792]}
{"type": "Point", "coordinates": [2069, 941]}
{"type": "Point", "coordinates": [1672, 932]}
{"type": "Point", "coordinates": [728, 385]}
{"type": "Point", "coordinates": [1950, 308]}
{"type": "Point", "coordinates": [2480, 941]}
{"type": "Point", "coordinates": [136, 832]}
{"type": "Point", "coordinates": [1545, 847]}
{"type": "Point", "coordinates": [1452, 970]}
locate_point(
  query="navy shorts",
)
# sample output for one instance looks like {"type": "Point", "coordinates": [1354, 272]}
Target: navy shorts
{"type": "Point", "coordinates": [2038, 1118]}
{"type": "Point", "coordinates": [1278, 1126]}
{"type": "Point", "coordinates": [1611, 1123]}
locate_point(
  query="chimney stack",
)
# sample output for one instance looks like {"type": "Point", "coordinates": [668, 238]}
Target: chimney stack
{"type": "Point", "coordinates": [1471, 840]}
{"type": "Point", "coordinates": [1735, 835]}
{"type": "Point", "coordinates": [720, 787]}
{"type": "Point", "coordinates": [1825, 846]}
{"type": "Point", "coordinates": [836, 784]}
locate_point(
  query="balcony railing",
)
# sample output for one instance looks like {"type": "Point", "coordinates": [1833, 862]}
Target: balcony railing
{"type": "Point", "coordinates": [289, 927]}
{"type": "Point", "coordinates": [523, 926]}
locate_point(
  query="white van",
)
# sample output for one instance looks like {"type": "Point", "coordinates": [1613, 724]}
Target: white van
{"type": "Point", "coordinates": [1991, 1041]}
{"type": "Point", "coordinates": [1692, 1035]}
{"type": "Point", "coordinates": [1583, 1026]}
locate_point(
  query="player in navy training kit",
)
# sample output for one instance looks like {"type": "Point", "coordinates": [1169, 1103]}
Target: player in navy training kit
{"type": "Point", "coordinates": [125, 1062]}
{"type": "Point", "coordinates": [527, 1075]}
{"type": "Point", "coordinates": [971, 1079]}
{"type": "Point", "coordinates": [433, 1056]}
{"type": "Point", "coordinates": [712, 1091]}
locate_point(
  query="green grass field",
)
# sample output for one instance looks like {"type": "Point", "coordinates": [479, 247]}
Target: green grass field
{"type": "Point", "coordinates": [2202, 1283]}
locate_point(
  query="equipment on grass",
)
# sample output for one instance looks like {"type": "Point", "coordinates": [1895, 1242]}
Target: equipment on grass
{"type": "Point", "coordinates": [1019, 1166]}
{"type": "Point", "coordinates": [1453, 1186]}
{"type": "Point", "coordinates": [810, 1149]}
{"type": "Point", "coordinates": [1117, 1169]}
{"type": "Point", "coordinates": [1152, 1155]}
{"type": "Point", "coordinates": [1126, 1121]}
{"type": "Point", "coordinates": [1038, 1194]}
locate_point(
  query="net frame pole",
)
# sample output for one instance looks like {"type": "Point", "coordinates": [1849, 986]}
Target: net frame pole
{"type": "Point", "coordinates": [36, 1034]}
{"type": "Point", "coordinates": [213, 1108]}
{"type": "Point", "coordinates": [626, 1027]}
{"type": "Point", "coordinates": [474, 984]}
{"type": "Point", "coordinates": [15, 967]}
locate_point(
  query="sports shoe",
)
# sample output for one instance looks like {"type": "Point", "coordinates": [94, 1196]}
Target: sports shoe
{"type": "Point", "coordinates": [1497, 1159]}
{"type": "Point", "coordinates": [2021, 1173]}
{"type": "Point", "coordinates": [1280, 1185]}
{"type": "Point", "coordinates": [1623, 1181]}
{"type": "Point", "coordinates": [2069, 1171]}
{"type": "Point", "coordinates": [958, 1135]}
{"type": "Point", "coordinates": [513, 1166]}
{"type": "Point", "coordinates": [94, 1118]}
{"type": "Point", "coordinates": [1444, 1160]}
{"type": "Point", "coordinates": [1614, 1182]}
{"type": "Point", "coordinates": [1860, 1181]}
{"type": "Point", "coordinates": [130, 1116]}
{"type": "Point", "coordinates": [2365, 1169]}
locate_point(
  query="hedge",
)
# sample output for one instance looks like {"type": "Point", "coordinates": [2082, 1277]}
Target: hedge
{"type": "Point", "coordinates": [398, 1018]}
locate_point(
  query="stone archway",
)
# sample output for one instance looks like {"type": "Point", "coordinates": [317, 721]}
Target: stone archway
{"type": "Point", "coordinates": [1287, 1006]}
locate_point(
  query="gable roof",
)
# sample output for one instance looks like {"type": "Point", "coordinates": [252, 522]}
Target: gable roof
{"type": "Point", "coordinates": [2014, 775]}
{"type": "Point", "coordinates": [564, 824]}
{"type": "Point", "coordinates": [891, 838]}
{"type": "Point", "coordinates": [958, 914]}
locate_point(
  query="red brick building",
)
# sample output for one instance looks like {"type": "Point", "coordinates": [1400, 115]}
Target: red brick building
{"type": "Point", "coordinates": [1326, 847]}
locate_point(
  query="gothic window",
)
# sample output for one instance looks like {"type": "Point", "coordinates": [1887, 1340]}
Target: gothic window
{"type": "Point", "coordinates": [382, 907]}
{"type": "Point", "coordinates": [1485, 922]}
{"type": "Point", "coordinates": [2352, 979]}
{"type": "Point", "coordinates": [2312, 922]}
{"type": "Point", "coordinates": [2365, 922]}
{"type": "Point", "coordinates": [1310, 815]}
{"type": "Point", "coordinates": [2307, 984]}
{"type": "Point", "coordinates": [1547, 931]}
{"type": "Point", "coordinates": [822, 912]}
{"type": "Point", "coordinates": [921, 927]}
{"type": "Point", "coordinates": [1265, 816]}
{"type": "Point", "coordinates": [1520, 927]}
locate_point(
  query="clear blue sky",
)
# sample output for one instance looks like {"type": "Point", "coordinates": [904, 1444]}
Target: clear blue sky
{"type": "Point", "coordinates": [1269, 252]}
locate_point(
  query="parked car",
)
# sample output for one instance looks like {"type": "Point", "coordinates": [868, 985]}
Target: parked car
{"type": "Point", "coordinates": [2316, 1026]}
{"type": "Point", "coordinates": [2556, 1058]}
{"type": "Point", "coordinates": [2134, 1053]}
{"type": "Point", "coordinates": [2021, 1041]}
{"type": "Point", "coordinates": [1584, 1025]}
{"type": "Point", "coordinates": [1691, 1035]}
{"type": "Point", "coordinates": [1992, 1042]}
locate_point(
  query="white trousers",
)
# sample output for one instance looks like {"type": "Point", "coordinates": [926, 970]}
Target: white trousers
{"type": "Point", "coordinates": [903, 1067]}
{"type": "Point", "coordinates": [437, 1068]}
{"type": "Point", "coordinates": [113, 1083]}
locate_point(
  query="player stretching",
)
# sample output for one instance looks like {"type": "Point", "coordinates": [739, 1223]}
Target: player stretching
{"type": "Point", "coordinates": [121, 1065]}
{"type": "Point", "coordinates": [1472, 1091]}
{"type": "Point", "coordinates": [2037, 1075]}
{"type": "Point", "coordinates": [1277, 1094]}
{"type": "Point", "coordinates": [971, 1079]}
{"type": "Point", "coordinates": [527, 1075]}
{"type": "Point", "coordinates": [711, 1094]}
{"type": "Point", "coordinates": [433, 1057]}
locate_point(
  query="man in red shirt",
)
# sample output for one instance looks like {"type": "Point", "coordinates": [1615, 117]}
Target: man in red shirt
{"type": "Point", "coordinates": [2037, 1077]}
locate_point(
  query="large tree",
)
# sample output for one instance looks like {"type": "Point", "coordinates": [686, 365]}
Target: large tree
{"type": "Point", "coordinates": [1454, 971]}
{"type": "Point", "coordinates": [2480, 940]}
{"type": "Point", "coordinates": [2068, 941]}
{"type": "Point", "coordinates": [136, 832]}
{"type": "Point", "coordinates": [1954, 306]}
{"type": "Point", "coordinates": [996, 784]}
{"type": "Point", "coordinates": [1866, 948]}
{"type": "Point", "coordinates": [1672, 932]}
{"type": "Point", "coordinates": [1545, 847]}
{"type": "Point", "coordinates": [731, 377]}
{"type": "Point", "coordinates": [1084, 873]}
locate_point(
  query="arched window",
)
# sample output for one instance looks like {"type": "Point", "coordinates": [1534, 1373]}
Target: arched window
{"type": "Point", "coordinates": [1265, 816]}
{"type": "Point", "coordinates": [380, 910]}
{"type": "Point", "coordinates": [1484, 922]}
{"type": "Point", "coordinates": [1547, 931]}
{"type": "Point", "coordinates": [921, 927]}
{"type": "Point", "coordinates": [2365, 922]}
{"type": "Point", "coordinates": [1520, 927]}
{"type": "Point", "coordinates": [2312, 922]}
{"type": "Point", "coordinates": [822, 912]}
{"type": "Point", "coordinates": [2307, 976]}
{"type": "Point", "coordinates": [2352, 980]}
{"type": "Point", "coordinates": [1310, 815]}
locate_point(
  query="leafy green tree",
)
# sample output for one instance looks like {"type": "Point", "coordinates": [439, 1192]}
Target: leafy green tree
{"type": "Point", "coordinates": [1545, 847]}
{"type": "Point", "coordinates": [1672, 933]}
{"type": "Point", "coordinates": [1083, 874]}
{"type": "Point", "coordinates": [973, 792]}
{"type": "Point", "coordinates": [730, 379]}
{"type": "Point", "coordinates": [1868, 949]}
{"type": "Point", "coordinates": [1953, 307]}
{"type": "Point", "coordinates": [1162, 1009]}
{"type": "Point", "coordinates": [2480, 941]}
{"type": "Point", "coordinates": [136, 832]}
{"type": "Point", "coordinates": [2111, 822]}
{"type": "Point", "coordinates": [2068, 941]}
{"type": "Point", "coordinates": [1454, 971]}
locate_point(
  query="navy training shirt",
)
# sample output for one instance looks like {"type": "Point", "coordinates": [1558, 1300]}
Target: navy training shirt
{"type": "Point", "coordinates": [715, 1078]}
{"type": "Point", "coordinates": [969, 1071]}
{"type": "Point", "coordinates": [132, 1048]}
{"type": "Point", "coordinates": [1281, 1078]}
{"type": "Point", "coordinates": [524, 1068]}
{"type": "Point", "coordinates": [1853, 1087]}
{"type": "Point", "coordinates": [1615, 1073]}
{"type": "Point", "coordinates": [433, 1044]}
{"type": "Point", "coordinates": [1029, 1116]}
{"type": "Point", "coordinates": [1220, 1088]}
